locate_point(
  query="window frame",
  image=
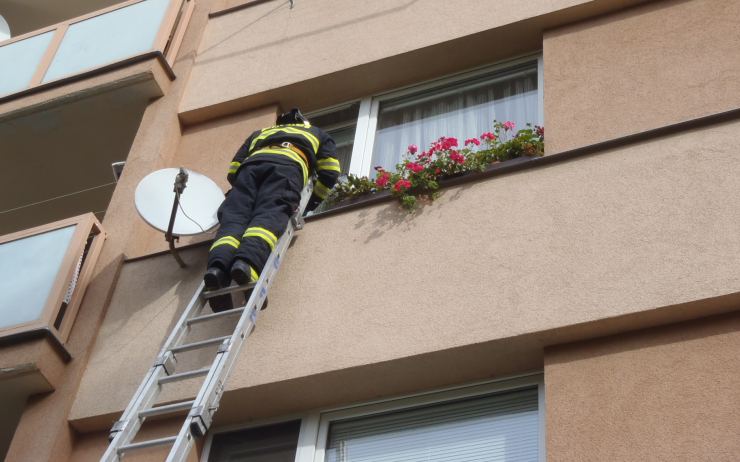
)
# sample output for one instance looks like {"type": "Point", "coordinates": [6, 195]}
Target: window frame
{"type": "Point", "coordinates": [367, 119]}
{"type": "Point", "coordinates": [85, 226]}
{"type": "Point", "coordinates": [314, 429]}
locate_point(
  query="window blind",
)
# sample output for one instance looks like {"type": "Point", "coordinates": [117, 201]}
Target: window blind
{"type": "Point", "coordinates": [495, 428]}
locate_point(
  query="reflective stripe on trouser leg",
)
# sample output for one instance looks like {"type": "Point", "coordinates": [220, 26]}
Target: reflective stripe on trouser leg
{"type": "Point", "coordinates": [277, 199]}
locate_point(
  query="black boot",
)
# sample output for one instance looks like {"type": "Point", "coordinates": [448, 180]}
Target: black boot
{"type": "Point", "coordinates": [241, 273]}
{"type": "Point", "coordinates": [215, 278]}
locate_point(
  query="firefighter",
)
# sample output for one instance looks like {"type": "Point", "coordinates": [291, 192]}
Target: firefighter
{"type": "Point", "coordinates": [267, 176]}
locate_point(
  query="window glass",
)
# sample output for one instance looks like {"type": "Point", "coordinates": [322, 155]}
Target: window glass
{"type": "Point", "coordinates": [28, 270]}
{"type": "Point", "coordinates": [464, 109]}
{"type": "Point", "coordinates": [271, 443]}
{"type": "Point", "coordinates": [108, 38]}
{"type": "Point", "coordinates": [495, 428]}
{"type": "Point", "coordinates": [341, 125]}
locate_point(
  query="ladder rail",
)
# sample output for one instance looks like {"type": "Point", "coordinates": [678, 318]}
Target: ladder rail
{"type": "Point", "coordinates": [129, 424]}
{"type": "Point", "coordinates": [206, 403]}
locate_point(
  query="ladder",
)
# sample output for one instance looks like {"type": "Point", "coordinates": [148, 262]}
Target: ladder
{"type": "Point", "coordinates": [201, 409]}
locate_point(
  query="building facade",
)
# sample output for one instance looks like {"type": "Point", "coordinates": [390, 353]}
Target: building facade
{"type": "Point", "coordinates": [582, 305]}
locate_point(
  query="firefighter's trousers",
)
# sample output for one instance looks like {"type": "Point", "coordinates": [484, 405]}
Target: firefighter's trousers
{"type": "Point", "coordinates": [255, 213]}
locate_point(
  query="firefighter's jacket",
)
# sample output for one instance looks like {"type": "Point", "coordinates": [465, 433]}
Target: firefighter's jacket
{"type": "Point", "coordinates": [308, 146]}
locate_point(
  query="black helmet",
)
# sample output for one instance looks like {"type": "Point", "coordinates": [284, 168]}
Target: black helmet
{"type": "Point", "coordinates": [294, 116]}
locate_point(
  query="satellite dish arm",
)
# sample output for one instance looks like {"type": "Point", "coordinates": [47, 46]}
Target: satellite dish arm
{"type": "Point", "coordinates": [180, 181]}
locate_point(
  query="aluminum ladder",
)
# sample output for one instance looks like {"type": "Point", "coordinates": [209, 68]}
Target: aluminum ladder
{"type": "Point", "coordinates": [201, 409]}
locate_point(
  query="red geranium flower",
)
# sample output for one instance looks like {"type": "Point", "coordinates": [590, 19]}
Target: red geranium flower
{"type": "Point", "coordinates": [414, 167]}
{"type": "Point", "coordinates": [413, 148]}
{"type": "Point", "coordinates": [401, 185]}
{"type": "Point", "coordinates": [457, 157]}
{"type": "Point", "coordinates": [488, 136]}
{"type": "Point", "coordinates": [383, 179]}
{"type": "Point", "coordinates": [472, 141]}
{"type": "Point", "coordinates": [509, 125]}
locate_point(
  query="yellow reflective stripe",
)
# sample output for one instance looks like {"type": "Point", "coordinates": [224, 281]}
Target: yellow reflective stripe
{"type": "Point", "coordinates": [226, 240]}
{"type": "Point", "coordinates": [234, 166]}
{"type": "Point", "coordinates": [328, 164]}
{"type": "Point", "coordinates": [264, 234]}
{"type": "Point", "coordinates": [289, 153]}
{"type": "Point", "coordinates": [253, 274]}
{"type": "Point", "coordinates": [320, 189]}
{"type": "Point", "coordinates": [295, 131]}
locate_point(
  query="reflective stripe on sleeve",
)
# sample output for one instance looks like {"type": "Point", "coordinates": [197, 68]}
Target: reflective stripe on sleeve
{"type": "Point", "coordinates": [262, 233]}
{"type": "Point", "coordinates": [226, 240]}
{"type": "Point", "coordinates": [328, 164]}
{"type": "Point", "coordinates": [234, 166]}
{"type": "Point", "coordinates": [320, 189]}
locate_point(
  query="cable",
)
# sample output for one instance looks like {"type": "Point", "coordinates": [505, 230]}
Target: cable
{"type": "Point", "coordinates": [179, 204]}
{"type": "Point", "coordinates": [57, 197]}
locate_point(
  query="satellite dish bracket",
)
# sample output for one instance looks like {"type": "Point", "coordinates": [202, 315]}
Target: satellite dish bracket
{"type": "Point", "coordinates": [180, 182]}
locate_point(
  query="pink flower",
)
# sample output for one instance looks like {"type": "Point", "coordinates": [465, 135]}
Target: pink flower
{"type": "Point", "coordinates": [488, 136]}
{"type": "Point", "coordinates": [457, 157]}
{"type": "Point", "coordinates": [437, 171]}
{"type": "Point", "coordinates": [414, 167]}
{"type": "Point", "coordinates": [401, 185]}
{"type": "Point", "coordinates": [447, 143]}
{"type": "Point", "coordinates": [413, 148]}
{"type": "Point", "coordinates": [509, 125]}
{"type": "Point", "coordinates": [472, 141]}
{"type": "Point", "coordinates": [383, 179]}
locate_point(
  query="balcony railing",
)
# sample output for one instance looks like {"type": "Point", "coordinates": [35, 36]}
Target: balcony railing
{"type": "Point", "coordinates": [88, 42]}
{"type": "Point", "coordinates": [43, 275]}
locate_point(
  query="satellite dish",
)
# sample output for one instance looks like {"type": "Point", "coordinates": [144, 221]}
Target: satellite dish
{"type": "Point", "coordinates": [4, 29]}
{"type": "Point", "coordinates": [198, 202]}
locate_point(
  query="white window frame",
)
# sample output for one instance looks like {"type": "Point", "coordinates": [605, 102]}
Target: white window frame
{"type": "Point", "coordinates": [367, 119]}
{"type": "Point", "coordinates": [314, 429]}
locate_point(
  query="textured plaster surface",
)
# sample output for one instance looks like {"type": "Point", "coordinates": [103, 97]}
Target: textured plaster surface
{"type": "Point", "coordinates": [662, 394]}
{"type": "Point", "coordinates": [643, 68]}
{"type": "Point", "coordinates": [43, 433]}
{"type": "Point", "coordinates": [268, 46]}
{"type": "Point", "coordinates": [482, 273]}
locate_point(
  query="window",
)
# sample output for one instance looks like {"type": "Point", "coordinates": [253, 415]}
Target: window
{"type": "Point", "coordinates": [377, 130]}
{"type": "Point", "coordinates": [340, 123]}
{"type": "Point", "coordinates": [270, 443]}
{"type": "Point", "coordinates": [499, 421]}
{"type": "Point", "coordinates": [498, 427]}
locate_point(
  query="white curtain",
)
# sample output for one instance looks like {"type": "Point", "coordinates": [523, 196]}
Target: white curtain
{"type": "Point", "coordinates": [463, 110]}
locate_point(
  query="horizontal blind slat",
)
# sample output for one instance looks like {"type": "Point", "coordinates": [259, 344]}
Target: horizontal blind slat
{"type": "Point", "coordinates": [500, 427]}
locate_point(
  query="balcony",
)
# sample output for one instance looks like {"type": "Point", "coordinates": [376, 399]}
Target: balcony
{"type": "Point", "coordinates": [114, 35]}
{"type": "Point", "coordinates": [79, 89]}
{"type": "Point", "coordinates": [43, 276]}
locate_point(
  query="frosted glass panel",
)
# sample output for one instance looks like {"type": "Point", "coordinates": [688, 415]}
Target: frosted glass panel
{"type": "Point", "coordinates": [19, 60]}
{"type": "Point", "coordinates": [28, 268]}
{"type": "Point", "coordinates": [108, 38]}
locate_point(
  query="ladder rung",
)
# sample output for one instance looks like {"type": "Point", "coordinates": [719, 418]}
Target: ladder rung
{"type": "Point", "coordinates": [228, 290]}
{"type": "Point", "coordinates": [201, 344]}
{"type": "Point", "coordinates": [166, 409]}
{"type": "Point", "coordinates": [147, 444]}
{"type": "Point", "coordinates": [207, 317]}
{"type": "Point", "coordinates": [184, 375]}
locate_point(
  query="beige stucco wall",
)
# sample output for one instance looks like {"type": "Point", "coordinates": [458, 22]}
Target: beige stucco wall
{"type": "Point", "coordinates": [640, 69]}
{"type": "Point", "coordinates": [325, 52]}
{"type": "Point", "coordinates": [662, 394]}
{"type": "Point", "coordinates": [494, 269]}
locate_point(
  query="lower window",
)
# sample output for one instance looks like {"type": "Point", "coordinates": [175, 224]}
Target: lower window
{"type": "Point", "coordinates": [270, 443]}
{"type": "Point", "coordinates": [497, 427]}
